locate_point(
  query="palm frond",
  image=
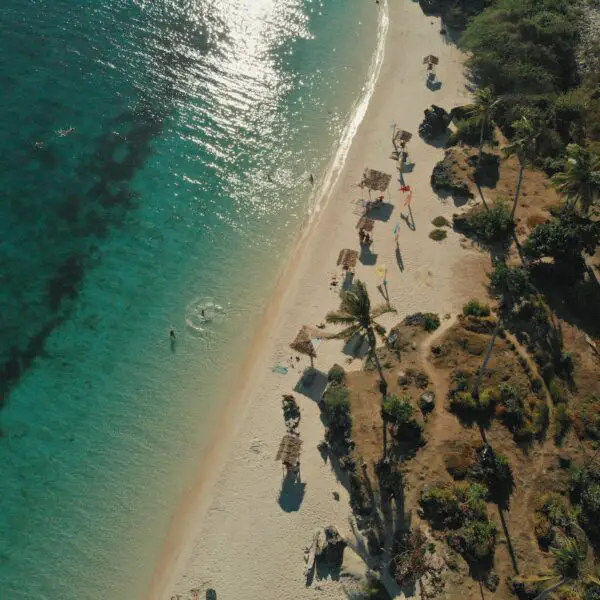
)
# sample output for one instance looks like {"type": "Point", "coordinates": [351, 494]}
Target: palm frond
{"type": "Point", "coordinates": [340, 318]}
{"type": "Point", "coordinates": [382, 309]}
{"type": "Point", "coordinates": [346, 333]}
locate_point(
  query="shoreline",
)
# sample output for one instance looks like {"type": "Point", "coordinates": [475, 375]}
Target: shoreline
{"type": "Point", "coordinates": [200, 491]}
{"type": "Point", "coordinates": [233, 498]}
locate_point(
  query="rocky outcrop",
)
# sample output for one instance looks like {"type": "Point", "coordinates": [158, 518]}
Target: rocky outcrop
{"type": "Point", "coordinates": [435, 123]}
{"type": "Point", "coordinates": [444, 178]}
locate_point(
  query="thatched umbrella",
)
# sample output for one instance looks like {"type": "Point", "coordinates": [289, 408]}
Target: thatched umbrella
{"type": "Point", "coordinates": [365, 224]}
{"type": "Point", "coordinates": [430, 59]}
{"type": "Point", "coordinates": [289, 451]}
{"type": "Point", "coordinates": [303, 344]}
{"type": "Point", "coordinates": [347, 258]}
{"type": "Point", "coordinates": [375, 180]}
{"type": "Point", "coordinates": [402, 136]}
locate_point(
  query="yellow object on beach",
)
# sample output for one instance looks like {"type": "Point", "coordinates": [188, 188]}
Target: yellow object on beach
{"type": "Point", "coordinates": [381, 270]}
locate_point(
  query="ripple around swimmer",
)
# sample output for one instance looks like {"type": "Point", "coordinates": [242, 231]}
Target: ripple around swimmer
{"type": "Point", "coordinates": [201, 315]}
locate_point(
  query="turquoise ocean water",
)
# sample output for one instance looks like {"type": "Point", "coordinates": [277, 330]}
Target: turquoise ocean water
{"type": "Point", "coordinates": [180, 188]}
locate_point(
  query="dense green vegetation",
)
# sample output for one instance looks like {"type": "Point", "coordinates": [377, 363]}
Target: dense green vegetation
{"type": "Point", "coordinates": [524, 46]}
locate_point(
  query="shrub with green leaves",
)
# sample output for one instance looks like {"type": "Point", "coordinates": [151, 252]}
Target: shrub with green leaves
{"type": "Point", "coordinates": [431, 321]}
{"type": "Point", "coordinates": [559, 391]}
{"type": "Point", "coordinates": [398, 408]}
{"type": "Point", "coordinates": [477, 539]}
{"type": "Point", "coordinates": [440, 222]}
{"type": "Point", "coordinates": [493, 225]}
{"type": "Point", "coordinates": [336, 404]}
{"type": "Point", "coordinates": [524, 47]}
{"type": "Point", "coordinates": [512, 284]}
{"type": "Point", "coordinates": [463, 402]}
{"type": "Point", "coordinates": [585, 492]}
{"type": "Point", "coordinates": [476, 309]}
{"type": "Point", "coordinates": [437, 235]}
{"type": "Point", "coordinates": [565, 239]}
{"type": "Point", "coordinates": [336, 375]}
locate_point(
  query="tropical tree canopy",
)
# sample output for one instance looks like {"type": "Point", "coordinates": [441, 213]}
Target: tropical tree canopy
{"type": "Point", "coordinates": [580, 183]}
{"type": "Point", "coordinates": [355, 312]}
{"type": "Point", "coordinates": [524, 143]}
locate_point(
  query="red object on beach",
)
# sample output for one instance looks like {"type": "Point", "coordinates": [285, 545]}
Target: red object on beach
{"type": "Point", "coordinates": [405, 188]}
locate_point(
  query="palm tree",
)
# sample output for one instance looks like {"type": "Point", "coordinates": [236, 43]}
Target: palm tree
{"type": "Point", "coordinates": [524, 147]}
{"type": "Point", "coordinates": [580, 183]}
{"type": "Point", "coordinates": [482, 110]}
{"type": "Point", "coordinates": [569, 566]}
{"type": "Point", "coordinates": [355, 312]}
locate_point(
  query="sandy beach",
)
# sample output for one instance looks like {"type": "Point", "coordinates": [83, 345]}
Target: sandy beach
{"type": "Point", "coordinates": [238, 532]}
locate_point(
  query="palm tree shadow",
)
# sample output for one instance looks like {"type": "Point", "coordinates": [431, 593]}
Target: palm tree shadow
{"type": "Point", "coordinates": [399, 258]}
{"type": "Point", "coordinates": [357, 346]}
{"type": "Point", "coordinates": [312, 384]}
{"type": "Point", "coordinates": [292, 492]}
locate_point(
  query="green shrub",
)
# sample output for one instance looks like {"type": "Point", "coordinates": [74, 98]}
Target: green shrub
{"type": "Point", "coordinates": [493, 225]}
{"type": "Point", "coordinates": [562, 422]}
{"type": "Point", "coordinates": [468, 131]}
{"type": "Point", "coordinates": [478, 539]}
{"type": "Point", "coordinates": [336, 375]}
{"type": "Point", "coordinates": [585, 491]}
{"type": "Point", "coordinates": [510, 283]}
{"type": "Point", "coordinates": [524, 47]}
{"type": "Point", "coordinates": [488, 398]}
{"type": "Point", "coordinates": [437, 235]}
{"type": "Point", "coordinates": [565, 239]}
{"type": "Point", "coordinates": [463, 402]}
{"type": "Point", "coordinates": [554, 507]}
{"type": "Point", "coordinates": [399, 408]}
{"type": "Point", "coordinates": [441, 506]}
{"type": "Point", "coordinates": [440, 222]}
{"type": "Point", "coordinates": [431, 321]}
{"type": "Point", "coordinates": [336, 404]}
{"type": "Point", "coordinates": [477, 309]}
{"type": "Point", "coordinates": [559, 391]}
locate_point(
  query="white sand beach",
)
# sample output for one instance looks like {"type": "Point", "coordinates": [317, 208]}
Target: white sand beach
{"type": "Point", "coordinates": [235, 533]}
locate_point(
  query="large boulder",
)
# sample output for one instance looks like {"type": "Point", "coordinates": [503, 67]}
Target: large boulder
{"type": "Point", "coordinates": [330, 548]}
{"type": "Point", "coordinates": [435, 123]}
{"type": "Point", "coordinates": [445, 177]}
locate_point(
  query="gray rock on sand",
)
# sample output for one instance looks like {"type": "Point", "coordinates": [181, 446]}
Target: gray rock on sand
{"type": "Point", "coordinates": [427, 401]}
{"type": "Point", "coordinates": [330, 547]}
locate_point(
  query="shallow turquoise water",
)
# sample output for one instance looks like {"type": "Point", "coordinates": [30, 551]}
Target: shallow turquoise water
{"type": "Point", "coordinates": [196, 124]}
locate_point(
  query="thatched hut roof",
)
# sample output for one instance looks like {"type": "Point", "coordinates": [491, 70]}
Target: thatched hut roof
{"type": "Point", "coordinates": [365, 223]}
{"type": "Point", "coordinates": [430, 58]}
{"type": "Point", "coordinates": [375, 180]}
{"type": "Point", "coordinates": [402, 136]}
{"type": "Point", "coordinates": [347, 258]}
{"type": "Point", "coordinates": [303, 342]}
{"type": "Point", "coordinates": [289, 450]}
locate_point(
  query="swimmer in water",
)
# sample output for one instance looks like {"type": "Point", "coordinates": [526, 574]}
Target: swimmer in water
{"type": "Point", "coordinates": [65, 132]}
{"type": "Point", "coordinates": [172, 334]}
{"type": "Point", "coordinates": [311, 179]}
{"type": "Point", "coordinates": [202, 313]}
